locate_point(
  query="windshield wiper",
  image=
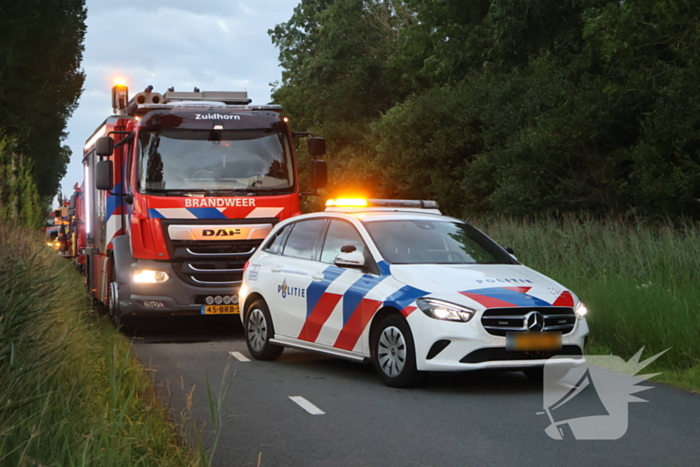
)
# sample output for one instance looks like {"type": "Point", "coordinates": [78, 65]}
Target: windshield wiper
{"type": "Point", "coordinates": [173, 192]}
{"type": "Point", "coordinates": [221, 192]}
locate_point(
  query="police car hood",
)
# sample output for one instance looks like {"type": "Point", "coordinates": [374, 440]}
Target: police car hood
{"type": "Point", "coordinates": [489, 285]}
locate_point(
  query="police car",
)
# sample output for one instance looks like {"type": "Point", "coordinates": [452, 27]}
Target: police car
{"type": "Point", "coordinates": [398, 284]}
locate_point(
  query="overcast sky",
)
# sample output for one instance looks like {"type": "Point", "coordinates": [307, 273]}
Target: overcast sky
{"type": "Point", "coordinates": [216, 45]}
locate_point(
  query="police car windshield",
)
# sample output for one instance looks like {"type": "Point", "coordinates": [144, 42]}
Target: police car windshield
{"type": "Point", "coordinates": [203, 160]}
{"type": "Point", "coordinates": [434, 242]}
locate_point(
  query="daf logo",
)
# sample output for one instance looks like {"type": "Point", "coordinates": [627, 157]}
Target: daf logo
{"type": "Point", "coordinates": [221, 232]}
{"type": "Point", "coordinates": [534, 321]}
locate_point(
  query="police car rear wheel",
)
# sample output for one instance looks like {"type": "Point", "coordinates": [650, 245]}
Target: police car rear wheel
{"type": "Point", "coordinates": [394, 353]}
{"type": "Point", "coordinates": [259, 330]}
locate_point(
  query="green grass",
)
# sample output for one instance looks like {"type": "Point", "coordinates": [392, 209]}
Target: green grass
{"type": "Point", "coordinates": [71, 393]}
{"type": "Point", "coordinates": [640, 283]}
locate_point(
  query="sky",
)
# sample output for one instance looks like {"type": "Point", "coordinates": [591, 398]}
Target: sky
{"type": "Point", "coordinates": [216, 45]}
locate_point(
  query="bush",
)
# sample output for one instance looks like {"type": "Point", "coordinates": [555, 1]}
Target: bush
{"type": "Point", "coordinates": [70, 391]}
{"type": "Point", "coordinates": [19, 198]}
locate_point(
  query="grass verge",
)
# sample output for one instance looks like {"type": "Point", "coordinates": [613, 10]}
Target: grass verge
{"type": "Point", "coordinates": [71, 393]}
{"type": "Point", "coordinates": [639, 282]}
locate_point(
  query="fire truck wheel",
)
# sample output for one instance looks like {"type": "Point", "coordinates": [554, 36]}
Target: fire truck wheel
{"type": "Point", "coordinates": [126, 323]}
{"type": "Point", "coordinates": [258, 332]}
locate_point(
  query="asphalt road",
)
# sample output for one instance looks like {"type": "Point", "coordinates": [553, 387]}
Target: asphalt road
{"type": "Point", "coordinates": [478, 418]}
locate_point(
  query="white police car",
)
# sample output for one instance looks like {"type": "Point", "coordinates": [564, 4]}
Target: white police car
{"type": "Point", "coordinates": [398, 284]}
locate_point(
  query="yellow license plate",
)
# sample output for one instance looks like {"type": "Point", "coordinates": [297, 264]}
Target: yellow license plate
{"type": "Point", "coordinates": [220, 310]}
{"type": "Point", "coordinates": [533, 341]}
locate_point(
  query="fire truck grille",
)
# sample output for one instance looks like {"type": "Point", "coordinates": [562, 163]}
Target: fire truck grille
{"type": "Point", "coordinates": [499, 321]}
{"type": "Point", "coordinates": [217, 264]}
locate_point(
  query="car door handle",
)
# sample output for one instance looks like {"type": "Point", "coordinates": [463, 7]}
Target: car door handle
{"type": "Point", "coordinates": [276, 269]}
{"type": "Point", "coordinates": [317, 277]}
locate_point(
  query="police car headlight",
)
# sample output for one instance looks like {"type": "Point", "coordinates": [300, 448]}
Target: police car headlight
{"type": "Point", "coordinates": [446, 311]}
{"type": "Point", "coordinates": [150, 277]}
{"type": "Point", "coordinates": [581, 310]}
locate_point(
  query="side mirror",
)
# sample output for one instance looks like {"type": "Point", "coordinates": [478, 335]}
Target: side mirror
{"type": "Point", "coordinates": [57, 214]}
{"type": "Point", "coordinates": [104, 146]}
{"type": "Point", "coordinates": [319, 174]}
{"type": "Point", "coordinates": [72, 202]}
{"type": "Point", "coordinates": [354, 259]}
{"type": "Point", "coordinates": [104, 177]}
{"type": "Point", "coordinates": [317, 147]}
{"type": "Point", "coordinates": [71, 212]}
{"type": "Point", "coordinates": [509, 250]}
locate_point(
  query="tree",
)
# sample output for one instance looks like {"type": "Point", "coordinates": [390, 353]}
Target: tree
{"type": "Point", "coordinates": [508, 106]}
{"type": "Point", "coordinates": [41, 45]}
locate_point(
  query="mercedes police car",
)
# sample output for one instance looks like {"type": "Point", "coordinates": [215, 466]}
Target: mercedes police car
{"type": "Point", "coordinates": [398, 284]}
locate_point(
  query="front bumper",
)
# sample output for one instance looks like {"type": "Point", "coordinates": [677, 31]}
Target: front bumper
{"type": "Point", "coordinates": [471, 347]}
{"type": "Point", "coordinates": [171, 297]}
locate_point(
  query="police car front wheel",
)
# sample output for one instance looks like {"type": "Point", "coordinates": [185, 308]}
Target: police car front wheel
{"type": "Point", "coordinates": [394, 353]}
{"type": "Point", "coordinates": [259, 330]}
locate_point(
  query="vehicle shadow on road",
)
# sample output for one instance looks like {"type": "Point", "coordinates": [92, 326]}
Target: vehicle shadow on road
{"type": "Point", "coordinates": [317, 366]}
{"type": "Point", "coordinates": [185, 329]}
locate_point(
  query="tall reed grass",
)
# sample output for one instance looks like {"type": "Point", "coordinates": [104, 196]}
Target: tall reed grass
{"type": "Point", "coordinates": [71, 393]}
{"type": "Point", "coordinates": [640, 282]}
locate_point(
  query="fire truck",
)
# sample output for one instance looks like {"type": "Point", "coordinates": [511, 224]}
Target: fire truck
{"type": "Point", "coordinates": [179, 190]}
{"type": "Point", "coordinates": [76, 229]}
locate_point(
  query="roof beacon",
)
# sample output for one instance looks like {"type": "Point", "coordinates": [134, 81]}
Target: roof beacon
{"type": "Point", "coordinates": [364, 205]}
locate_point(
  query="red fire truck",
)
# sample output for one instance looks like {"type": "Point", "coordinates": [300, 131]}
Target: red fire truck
{"type": "Point", "coordinates": [179, 190]}
{"type": "Point", "coordinates": [77, 228]}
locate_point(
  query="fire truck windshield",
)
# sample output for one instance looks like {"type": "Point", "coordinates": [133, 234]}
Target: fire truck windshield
{"type": "Point", "coordinates": [177, 160]}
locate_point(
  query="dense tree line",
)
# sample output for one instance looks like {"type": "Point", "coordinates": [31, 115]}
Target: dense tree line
{"type": "Point", "coordinates": [41, 46]}
{"type": "Point", "coordinates": [509, 106]}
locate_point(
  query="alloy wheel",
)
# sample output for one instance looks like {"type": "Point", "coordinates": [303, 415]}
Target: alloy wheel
{"type": "Point", "coordinates": [257, 330]}
{"type": "Point", "coordinates": [392, 351]}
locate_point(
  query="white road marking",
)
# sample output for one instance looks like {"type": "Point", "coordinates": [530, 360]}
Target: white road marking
{"type": "Point", "coordinates": [239, 356]}
{"type": "Point", "coordinates": [306, 405]}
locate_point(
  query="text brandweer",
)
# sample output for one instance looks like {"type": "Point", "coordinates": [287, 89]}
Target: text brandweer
{"type": "Point", "coordinates": [219, 202]}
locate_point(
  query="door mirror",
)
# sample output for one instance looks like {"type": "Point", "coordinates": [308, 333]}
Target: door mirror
{"type": "Point", "coordinates": [104, 147]}
{"type": "Point", "coordinates": [319, 174]}
{"type": "Point", "coordinates": [71, 212]}
{"type": "Point", "coordinates": [354, 259]}
{"type": "Point", "coordinates": [317, 147]}
{"type": "Point", "coordinates": [104, 177]}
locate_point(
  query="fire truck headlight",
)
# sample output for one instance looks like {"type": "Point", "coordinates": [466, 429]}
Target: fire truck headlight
{"type": "Point", "coordinates": [150, 277]}
{"type": "Point", "coordinates": [581, 310]}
